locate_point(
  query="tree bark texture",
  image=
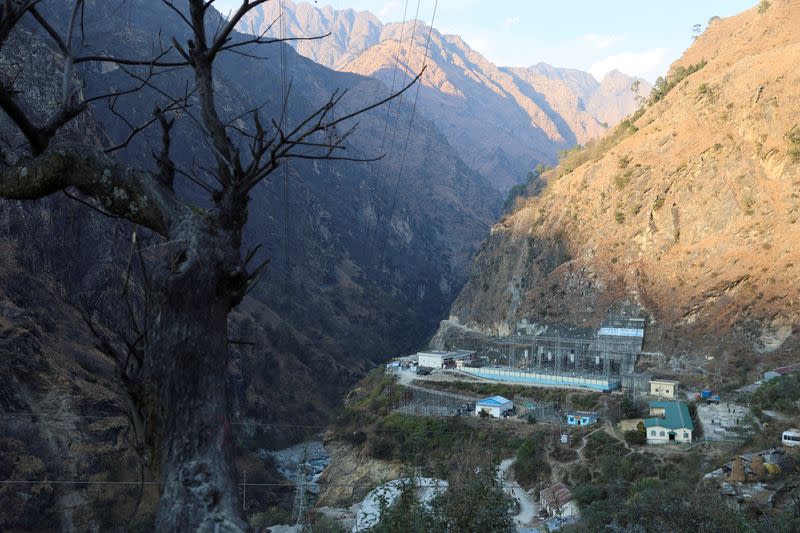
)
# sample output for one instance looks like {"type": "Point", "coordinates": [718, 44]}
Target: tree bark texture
{"type": "Point", "coordinates": [185, 398]}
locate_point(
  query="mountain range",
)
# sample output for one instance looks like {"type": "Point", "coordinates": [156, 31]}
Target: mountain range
{"type": "Point", "coordinates": [502, 121]}
{"type": "Point", "coordinates": [688, 210]}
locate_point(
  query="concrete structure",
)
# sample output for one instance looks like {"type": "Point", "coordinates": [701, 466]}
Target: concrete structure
{"type": "Point", "coordinates": [669, 422]}
{"type": "Point", "coordinates": [725, 421]}
{"type": "Point", "coordinates": [495, 406]}
{"type": "Point", "coordinates": [580, 381]}
{"type": "Point", "coordinates": [781, 371]}
{"type": "Point", "coordinates": [562, 355]}
{"type": "Point", "coordinates": [468, 362]}
{"type": "Point", "coordinates": [635, 382]}
{"type": "Point", "coordinates": [663, 388]}
{"type": "Point", "coordinates": [557, 500]}
{"type": "Point", "coordinates": [581, 418]}
{"type": "Point", "coordinates": [441, 359]}
{"type": "Point", "coordinates": [567, 356]}
{"type": "Point", "coordinates": [612, 349]}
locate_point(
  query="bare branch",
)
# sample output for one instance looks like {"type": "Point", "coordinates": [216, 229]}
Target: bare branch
{"type": "Point", "coordinates": [380, 103]}
{"type": "Point", "coordinates": [50, 30]}
{"type": "Point", "coordinates": [197, 181]}
{"type": "Point", "coordinates": [181, 104]}
{"type": "Point", "coordinates": [91, 206]}
{"type": "Point", "coordinates": [166, 168]}
{"type": "Point", "coordinates": [10, 14]}
{"type": "Point", "coordinates": [282, 147]}
{"type": "Point", "coordinates": [38, 137]}
{"type": "Point", "coordinates": [131, 62]}
{"type": "Point", "coordinates": [66, 93]}
{"type": "Point", "coordinates": [329, 157]}
{"type": "Point", "coordinates": [250, 254]}
{"type": "Point", "coordinates": [21, 120]}
{"type": "Point", "coordinates": [254, 277]}
{"type": "Point", "coordinates": [262, 40]}
{"type": "Point", "coordinates": [221, 38]}
{"type": "Point", "coordinates": [120, 190]}
{"type": "Point", "coordinates": [170, 5]}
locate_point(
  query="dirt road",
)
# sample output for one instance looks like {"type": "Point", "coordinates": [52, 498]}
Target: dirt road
{"type": "Point", "coordinates": [528, 509]}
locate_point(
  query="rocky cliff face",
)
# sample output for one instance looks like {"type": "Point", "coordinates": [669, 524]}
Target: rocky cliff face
{"type": "Point", "coordinates": [502, 121]}
{"type": "Point", "coordinates": [690, 210]}
{"type": "Point", "coordinates": [351, 32]}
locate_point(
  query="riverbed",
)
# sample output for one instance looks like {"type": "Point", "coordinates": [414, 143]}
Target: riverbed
{"type": "Point", "coordinates": [302, 463]}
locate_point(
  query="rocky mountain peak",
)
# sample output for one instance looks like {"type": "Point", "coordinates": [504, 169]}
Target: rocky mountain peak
{"type": "Point", "coordinates": [690, 209]}
{"type": "Point", "coordinates": [502, 121]}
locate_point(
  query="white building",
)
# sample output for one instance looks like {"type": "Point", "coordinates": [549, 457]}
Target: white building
{"type": "Point", "coordinates": [663, 388]}
{"type": "Point", "coordinates": [670, 422]}
{"type": "Point", "coordinates": [495, 406]}
{"type": "Point", "coordinates": [440, 359]}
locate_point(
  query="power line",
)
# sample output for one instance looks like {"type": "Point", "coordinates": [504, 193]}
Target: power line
{"type": "Point", "coordinates": [378, 185]}
{"type": "Point", "coordinates": [283, 124]}
{"type": "Point", "coordinates": [386, 167]}
{"type": "Point", "coordinates": [400, 98]}
{"type": "Point", "coordinates": [408, 135]}
{"type": "Point", "coordinates": [394, 75]}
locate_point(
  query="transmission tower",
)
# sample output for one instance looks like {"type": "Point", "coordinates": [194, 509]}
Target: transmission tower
{"type": "Point", "coordinates": [300, 497]}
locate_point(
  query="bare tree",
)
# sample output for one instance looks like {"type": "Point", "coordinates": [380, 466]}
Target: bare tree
{"type": "Point", "coordinates": [176, 364]}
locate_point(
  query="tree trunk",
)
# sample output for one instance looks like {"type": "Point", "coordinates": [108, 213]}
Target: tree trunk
{"type": "Point", "coordinates": [185, 371]}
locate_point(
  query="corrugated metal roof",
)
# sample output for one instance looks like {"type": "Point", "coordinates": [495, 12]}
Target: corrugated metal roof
{"type": "Point", "coordinates": [582, 414]}
{"type": "Point", "coordinates": [621, 332]}
{"type": "Point", "coordinates": [676, 416]}
{"type": "Point", "coordinates": [439, 354]}
{"type": "Point", "coordinates": [556, 495]}
{"type": "Point", "coordinates": [494, 401]}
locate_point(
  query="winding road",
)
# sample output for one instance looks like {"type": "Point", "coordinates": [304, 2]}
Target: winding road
{"type": "Point", "coordinates": [527, 507]}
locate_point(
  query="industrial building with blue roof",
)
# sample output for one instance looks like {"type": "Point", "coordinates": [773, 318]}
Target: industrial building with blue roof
{"type": "Point", "coordinates": [494, 406]}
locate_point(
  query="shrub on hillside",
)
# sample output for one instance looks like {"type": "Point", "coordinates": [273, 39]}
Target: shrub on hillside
{"type": "Point", "coordinates": [794, 144]}
{"type": "Point", "coordinates": [531, 466]}
{"type": "Point", "coordinates": [664, 85]}
{"type": "Point", "coordinates": [779, 394]}
{"type": "Point", "coordinates": [636, 436]}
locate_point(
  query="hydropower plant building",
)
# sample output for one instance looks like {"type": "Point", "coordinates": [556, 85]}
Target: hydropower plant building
{"type": "Point", "coordinates": [564, 356]}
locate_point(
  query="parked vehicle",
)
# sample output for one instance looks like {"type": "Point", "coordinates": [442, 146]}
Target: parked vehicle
{"type": "Point", "coordinates": [709, 396]}
{"type": "Point", "coordinates": [791, 438]}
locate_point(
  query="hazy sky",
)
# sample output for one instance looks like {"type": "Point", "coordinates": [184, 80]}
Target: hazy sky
{"type": "Point", "coordinates": [639, 38]}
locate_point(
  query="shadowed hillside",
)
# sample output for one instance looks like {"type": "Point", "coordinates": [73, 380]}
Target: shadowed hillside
{"type": "Point", "coordinates": [364, 261]}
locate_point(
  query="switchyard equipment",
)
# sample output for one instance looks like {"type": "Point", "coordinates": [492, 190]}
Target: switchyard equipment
{"type": "Point", "coordinates": [565, 356]}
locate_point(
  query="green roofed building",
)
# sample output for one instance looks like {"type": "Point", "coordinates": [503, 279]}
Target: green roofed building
{"type": "Point", "coordinates": [668, 422]}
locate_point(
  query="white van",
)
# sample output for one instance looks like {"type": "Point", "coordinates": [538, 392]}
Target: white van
{"type": "Point", "coordinates": [791, 437]}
